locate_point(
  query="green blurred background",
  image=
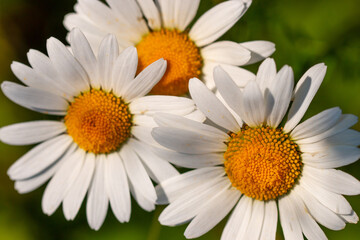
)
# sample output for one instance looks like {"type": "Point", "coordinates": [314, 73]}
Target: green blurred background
{"type": "Point", "coordinates": [305, 32]}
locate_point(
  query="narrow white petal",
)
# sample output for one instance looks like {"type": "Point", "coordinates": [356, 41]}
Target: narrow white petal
{"type": "Point", "coordinates": [124, 69]}
{"type": "Point", "coordinates": [236, 116]}
{"type": "Point", "coordinates": [317, 124]}
{"type": "Point", "coordinates": [347, 137]}
{"type": "Point", "coordinates": [350, 218]}
{"type": "Point", "coordinates": [308, 225]}
{"type": "Point", "coordinates": [170, 120]}
{"type": "Point", "coordinates": [151, 13]}
{"type": "Point", "coordinates": [196, 115]}
{"type": "Point", "coordinates": [149, 105]}
{"type": "Point", "coordinates": [185, 141]}
{"type": "Point", "coordinates": [259, 50]}
{"type": "Point", "coordinates": [268, 231]}
{"type": "Point", "coordinates": [167, 9]}
{"type": "Point", "coordinates": [76, 194]}
{"type": "Point", "coordinates": [239, 220]}
{"type": "Point", "coordinates": [173, 188]}
{"type": "Point", "coordinates": [145, 80]}
{"type": "Point", "coordinates": [87, 26]}
{"type": "Point", "coordinates": [266, 73]}
{"type": "Point", "coordinates": [97, 200]}
{"type": "Point", "coordinates": [253, 230]}
{"type": "Point", "coordinates": [278, 96]}
{"type": "Point", "coordinates": [144, 121]}
{"type": "Point", "coordinates": [137, 173]}
{"type": "Point", "coordinates": [212, 213]}
{"type": "Point", "coordinates": [68, 68]}
{"type": "Point", "coordinates": [185, 12]}
{"type": "Point", "coordinates": [143, 134]}
{"type": "Point", "coordinates": [63, 179]}
{"type": "Point", "coordinates": [39, 62]}
{"type": "Point", "coordinates": [288, 219]}
{"type": "Point", "coordinates": [31, 132]}
{"type": "Point", "coordinates": [253, 105]}
{"type": "Point", "coordinates": [334, 180]}
{"type": "Point", "coordinates": [117, 187]}
{"type": "Point", "coordinates": [335, 202]}
{"type": "Point", "coordinates": [322, 214]}
{"type": "Point", "coordinates": [226, 52]}
{"type": "Point", "coordinates": [85, 55]}
{"type": "Point", "coordinates": [158, 168]}
{"type": "Point", "coordinates": [304, 93]}
{"type": "Point", "coordinates": [39, 158]}
{"type": "Point", "coordinates": [215, 22]}
{"type": "Point", "coordinates": [190, 160]}
{"type": "Point", "coordinates": [143, 202]}
{"type": "Point", "coordinates": [211, 106]}
{"type": "Point", "coordinates": [34, 99]}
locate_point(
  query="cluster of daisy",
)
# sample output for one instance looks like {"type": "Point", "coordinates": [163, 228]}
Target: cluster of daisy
{"type": "Point", "coordinates": [130, 106]}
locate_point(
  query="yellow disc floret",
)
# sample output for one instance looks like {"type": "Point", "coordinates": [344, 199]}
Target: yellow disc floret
{"type": "Point", "coordinates": [182, 56]}
{"type": "Point", "coordinates": [98, 121]}
{"type": "Point", "coordinates": [263, 163]}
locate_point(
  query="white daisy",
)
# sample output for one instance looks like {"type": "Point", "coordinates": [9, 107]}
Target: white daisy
{"type": "Point", "coordinates": [260, 165]}
{"type": "Point", "coordinates": [159, 29]}
{"type": "Point", "coordinates": [102, 145]}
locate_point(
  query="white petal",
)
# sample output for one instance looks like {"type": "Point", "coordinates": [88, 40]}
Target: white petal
{"type": "Point", "coordinates": [259, 50]}
{"type": "Point", "coordinates": [211, 106]}
{"type": "Point", "coordinates": [151, 13]}
{"type": "Point", "coordinates": [347, 137]}
{"type": "Point", "coordinates": [124, 69]}
{"type": "Point", "coordinates": [322, 214]}
{"type": "Point", "coordinates": [60, 184]}
{"type": "Point", "coordinates": [304, 92]}
{"type": "Point", "coordinates": [288, 219]}
{"type": "Point", "coordinates": [39, 158]}
{"type": "Point", "coordinates": [239, 220]}
{"type": "Point", "coordinates": [278, 96]}
{"type": "Point", "coordinates": [335, 202]}
{"type": "Point", "coordinates": [117, 187]}
{"type": "Point", "coordinates": [84, 54]}
{"type": "Point", "coordinates": [253, 230]}
{"type": "Point", "coordinates": [173, 188]}
{"type": "Point", "coordinates": [334, 157]}
{"type": "Point", "coordinates": [266, 73]}
{"type": "Point", "coordinates": [350, 218]}
{"type": "Point", "coordinates": [196, 115]}
{"type": "Point", "coordinates": [158, 169]}
{"type": "Point", "coordinates": [308, 225]}
{"type": "Point", "coordinates": [253, 105]}
{"type": "Point", "coordinates": [268, 231]}
{"type": "Point", "coordinates": [226, 52]}
{"type": "Point", "coordinates": [31, 132]}
{"type": "Point", "coordinates": [185, 12]}
{"type": "Point", "coordinates": [185, 141]}
{"type": "Point", "coordinates": [170, 120]}
{"type": "Point", "coordinates": [215, 22]}
{"type": "Point", "coordinates": [149, 105]}
{"type": "Point", "coordinates": [145, 80]}
{"type": "Point", "coordinates": [143, 134]}
{"type": "Point", "coordinates": [212, 213]}
{"type": "Point", "coordinates": [76, 194]}
{"type": "Point", "coordinates": [137, 173]}
{"type": "Point", "coordinates": [72, 74]}
{"type": "Point", "coordinates": [107, 55]}
{"type": "Point", "coordinates": [143, 202]}
{"type": "Point", "coordinates": [34, 99]}
{"type": "Point", "coordinates": [345, 122]}
{"type": "Point", "coordinates": [317, 124]}
{"type": "Point", "coordinates": [40, 63]}
{"type": "Point", "coordinates": [334, 180]}
{"type": "Point", "coordinates": [97, 200]}
{"type": "Point", "coordinates": [87, 26]}
{"type": "Point", "coordinates": [144, 121]}
{"type": "Point", "coordinates": [191, 203]}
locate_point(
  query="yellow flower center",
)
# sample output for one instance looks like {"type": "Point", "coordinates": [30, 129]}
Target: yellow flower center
{"type": "Point", "coordinates": [99, 122]}
{"type": "Point", "coordinates": [182, 55]}
{"type": "Point", "coordinates": [263, 163]}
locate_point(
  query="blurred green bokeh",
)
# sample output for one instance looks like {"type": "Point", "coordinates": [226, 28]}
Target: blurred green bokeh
{"type": "Point", "coordinates": [305, 32]}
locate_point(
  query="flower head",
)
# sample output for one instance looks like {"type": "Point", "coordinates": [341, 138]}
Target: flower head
{"type": "Point", "coordinates": [103, 144]}
{"type": "Point", "coordinates": [255, 162]}
{"type": "Point", "coordinates": [160, 30]}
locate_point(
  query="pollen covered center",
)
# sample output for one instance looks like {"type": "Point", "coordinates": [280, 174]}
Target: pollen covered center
{"type": "Point", "coordinates": [182, 56]}
{"type": "Point", "coordinates": [98, 121]}
{"type": "Point", "coordinates": [263, 163]}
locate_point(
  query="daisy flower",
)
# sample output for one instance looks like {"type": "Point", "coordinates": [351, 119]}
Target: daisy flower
{"type": "Point", "coordinates": [101, 145]}
{"type": "Point", "coordinates": [261, 163]}
{"type": "Point", "coordinates": [160, 29]}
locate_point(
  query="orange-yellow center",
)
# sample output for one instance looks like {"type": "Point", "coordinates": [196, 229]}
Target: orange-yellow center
{"type": "Point", "coordinates": [182, 56]}
{"type": "Point", "coordinates": [263, 163]}
{"type": "Point", "coordinates": [98, 121]}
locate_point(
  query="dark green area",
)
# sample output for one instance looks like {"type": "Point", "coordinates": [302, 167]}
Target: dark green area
{"type": "Point", "coordinates": [305, 32]}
